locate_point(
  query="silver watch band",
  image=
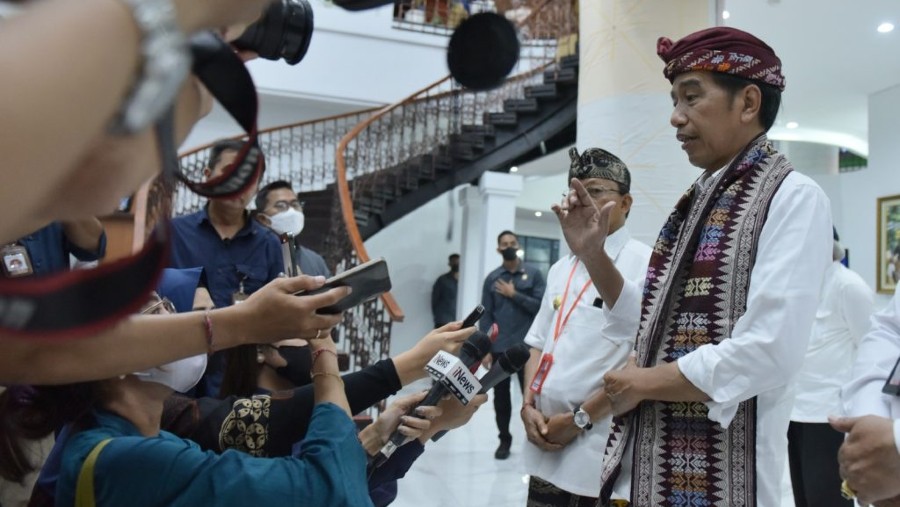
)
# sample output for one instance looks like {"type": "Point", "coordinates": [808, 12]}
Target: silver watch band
{"type": "Point", "coordinates": [165, 62]}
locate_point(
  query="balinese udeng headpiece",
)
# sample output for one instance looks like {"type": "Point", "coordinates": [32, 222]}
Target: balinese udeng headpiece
{"type": "Point", "coordinates": [597, 163]}
{"type": "Point", "coordinates": [721, 49]}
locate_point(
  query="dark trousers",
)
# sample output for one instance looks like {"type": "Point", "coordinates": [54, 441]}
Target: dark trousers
{"type": "Point", "coordinates": [503, 404]}
{"type": "Point", "coordinates": [812, 456]}
{"type": "Point", "coordinates": [544, 494]}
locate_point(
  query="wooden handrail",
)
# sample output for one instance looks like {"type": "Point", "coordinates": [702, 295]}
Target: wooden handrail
{"type": "Point", "coordinates": [343, 185]}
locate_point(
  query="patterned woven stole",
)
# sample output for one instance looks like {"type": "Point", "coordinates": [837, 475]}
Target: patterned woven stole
{"type": "Point", "coordinates": [695, 291]}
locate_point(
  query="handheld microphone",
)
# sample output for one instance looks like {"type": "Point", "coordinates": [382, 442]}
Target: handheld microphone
{"type": "Point", "coordinates": [507, 364]}
{"type": "Point", "coordinates": [473, 350]}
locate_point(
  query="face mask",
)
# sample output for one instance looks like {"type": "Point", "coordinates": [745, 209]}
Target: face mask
{"type": "Point", "coordinates": [180, 376]}
{"type": "Point", "coordinates": [454, 268]}
{"type": "Point", "coordinates": [509, 254]}
{"type": "Point", "coordinates": [288, 222]}
{"type": "Point", "coordinates": [299, 364]}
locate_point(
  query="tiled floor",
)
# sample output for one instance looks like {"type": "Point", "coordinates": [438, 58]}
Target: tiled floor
{"type": "Point", "coordinates": [460, 469]}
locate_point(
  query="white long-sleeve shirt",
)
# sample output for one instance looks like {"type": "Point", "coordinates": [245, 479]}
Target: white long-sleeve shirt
{"type": "Point", "coordinates": [842, 319]}
{"type": "Point", "coordinates": [768, 342]}
{"type": "Point", "coordinates": [878, 353]}
{"type": "Point", "coordinates": [594, 341]}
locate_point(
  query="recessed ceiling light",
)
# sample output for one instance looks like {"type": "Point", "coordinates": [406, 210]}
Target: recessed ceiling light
{"type": "Point", "coordinates": [726, 14]}
{"type": "Point", "coordinates": [514, 169]}
{"type": "Point", "coordinates": [792, 125]}
{"type": "Point", "coordinates": [538, 213]}
{"type": "Point", "coordinates": [885, 27]}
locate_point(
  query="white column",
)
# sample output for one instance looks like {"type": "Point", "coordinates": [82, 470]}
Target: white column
{"type": "Point", "coordinates": [488, 210]}
{"type": "Point", "coordinates": [623, 98]}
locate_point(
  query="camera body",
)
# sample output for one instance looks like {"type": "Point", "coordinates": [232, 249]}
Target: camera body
{"type": "Point", "coordinates": [284, 32]}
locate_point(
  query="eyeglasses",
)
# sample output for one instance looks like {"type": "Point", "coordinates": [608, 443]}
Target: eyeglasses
{"type": "Point", "coordinates": [157, 307]}
{"type": "Point", "coordinates": [597, 191]}
{"type": "Point", "coordinates": [281, 206]}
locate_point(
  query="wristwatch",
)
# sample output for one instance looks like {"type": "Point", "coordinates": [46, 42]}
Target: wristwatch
{"type": "Point", "coordinates": [583, 419]}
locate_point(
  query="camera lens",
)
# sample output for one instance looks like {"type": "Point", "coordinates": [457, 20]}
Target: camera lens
{"type": "Point", "coordinates": [284, 32]}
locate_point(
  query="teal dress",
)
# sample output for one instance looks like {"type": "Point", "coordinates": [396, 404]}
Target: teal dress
{"type": "Point", "coordinates": [329, 468]}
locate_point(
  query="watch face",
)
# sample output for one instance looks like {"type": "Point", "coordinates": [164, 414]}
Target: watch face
{"type": "Point", "coordinates": [582, 419]}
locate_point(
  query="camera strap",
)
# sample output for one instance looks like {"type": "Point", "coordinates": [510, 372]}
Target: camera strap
{"type": "Point", "coordinates": [84, 302]}
{"type": "Point", "coordinates": [226, 77]}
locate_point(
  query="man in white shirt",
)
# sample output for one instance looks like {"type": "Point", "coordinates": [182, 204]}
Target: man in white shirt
{"type": "Point", "coordinates": [870, 457]}
{"type": "Point", "coordinates": [730, 297]}
{"type": "Point", "coordinates": [842, 319]}
{"type": "Point", "coordinates": [566, 415]}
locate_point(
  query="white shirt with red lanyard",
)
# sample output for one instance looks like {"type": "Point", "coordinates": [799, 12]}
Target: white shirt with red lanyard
{"type": "Point", "coordinates": [586, 339]}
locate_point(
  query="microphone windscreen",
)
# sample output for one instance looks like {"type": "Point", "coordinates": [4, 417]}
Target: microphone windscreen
{"type": "Point", "coordinates": [515, 358]}
{"type": "Point", "coordinates": [483, 50]}
{"type": "Point", "coordinates": [475, 348]}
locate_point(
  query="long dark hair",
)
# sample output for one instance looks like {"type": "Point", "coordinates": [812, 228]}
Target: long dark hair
{"type": "Point", "coordinates": [32, 413]}
{"type": "Point", "coordinates": [241, 372]}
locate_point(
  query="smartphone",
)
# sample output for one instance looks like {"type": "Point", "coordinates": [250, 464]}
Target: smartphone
{"type": "Point", "coordinates": [368, 281]}
{"type": "Point", "coordinates": [473, 317]}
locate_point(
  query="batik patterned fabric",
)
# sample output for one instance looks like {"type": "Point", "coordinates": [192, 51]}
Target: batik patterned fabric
{"type": "Point", "coordinates": [599, 163]}
{"type": "Point", "coordinates": [722, 49]}
{"type": "Point", "coordinates": [544, 494]}
{"type": "Point", "coordinates": [247, 426]}
{"type": "Point", "coordinates": [696, 290]}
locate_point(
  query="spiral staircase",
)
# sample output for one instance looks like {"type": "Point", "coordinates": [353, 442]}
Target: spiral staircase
{"type": "Point", "coordinates": [359, 172]}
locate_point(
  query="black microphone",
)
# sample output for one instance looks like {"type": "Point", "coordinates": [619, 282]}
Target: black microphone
{"type": "Point", "coordinates": [505, 366]}
{"type": "Point", "coordinates": [473, 350]}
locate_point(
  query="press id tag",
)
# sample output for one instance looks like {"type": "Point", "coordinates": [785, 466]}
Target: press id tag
{"type": "Point", "coordinates": [892, 386]}
{"type": "Point", "coordinates": [16, 261]}
{"type": "Point", "coordinates": [240, 296]}
{"type": "Point", "coordinates": [541, 375]}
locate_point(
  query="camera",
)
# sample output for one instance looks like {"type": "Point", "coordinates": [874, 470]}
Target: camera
{"type": "Point", "coordinates": [283, 32]}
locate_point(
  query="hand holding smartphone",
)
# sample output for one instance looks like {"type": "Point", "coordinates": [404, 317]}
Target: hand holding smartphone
{"type": "Point", "coordinates": [367, 281]}
{"type": "Point", "coordinates": [473, 317]}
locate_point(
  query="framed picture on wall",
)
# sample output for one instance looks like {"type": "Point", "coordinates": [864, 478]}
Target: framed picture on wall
{"type": "Point", "coordinates": [888, 256]}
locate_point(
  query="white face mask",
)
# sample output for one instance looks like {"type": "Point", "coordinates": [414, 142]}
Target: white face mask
{"type": "Point", "coordinates": [288, 222]}
{"type": "Point", "coordinates": [180, 376]}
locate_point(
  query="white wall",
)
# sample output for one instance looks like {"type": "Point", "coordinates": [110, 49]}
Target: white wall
{"type": "Point", "coordinates": [416, 248]}
{"type": "Point", "coordinates": [357, 56]}
{"type": "Point", "coordinates": [859, 190]}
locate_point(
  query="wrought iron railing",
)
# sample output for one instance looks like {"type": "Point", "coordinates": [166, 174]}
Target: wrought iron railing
{"type": "Point", "coordinates": [357, 151]}
{"type": "Point", "coordinates": [418, 126]}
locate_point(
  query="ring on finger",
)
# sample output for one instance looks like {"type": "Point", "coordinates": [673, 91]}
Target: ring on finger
{"type": "Point", "coordinates": [846, 491]}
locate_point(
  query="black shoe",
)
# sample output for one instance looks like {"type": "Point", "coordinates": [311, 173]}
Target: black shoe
{"type": "Point", "coordinates": [502, 451]}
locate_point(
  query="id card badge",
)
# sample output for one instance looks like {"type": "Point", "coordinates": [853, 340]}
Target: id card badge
{"type": "Point", "coordinates": [892, 386]}
{"type": "Point", "coordinates": [541, 375]}
{"type": "Point", "coordinates": [16, 261]}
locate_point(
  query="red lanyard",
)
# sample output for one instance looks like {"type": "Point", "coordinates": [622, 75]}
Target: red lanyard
{"type": "Point", "coordinates": [560, 322]}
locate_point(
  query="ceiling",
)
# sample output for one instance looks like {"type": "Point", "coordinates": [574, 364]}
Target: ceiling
{"type": "Point", "coordinates": [833, 58]}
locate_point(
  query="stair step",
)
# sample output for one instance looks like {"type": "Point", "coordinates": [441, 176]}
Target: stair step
{"type": "Point", "coordinates": [561, 76]}
{"type": "Point", "coordinates": [476, 141]}
{"type": "Point", "coordinates": [543, 91]}
{"type": "Point", "coordinates": [521, 105]}
{"type": "Point", "coordinates": [485, 130]}
{"type": "Point", "coordinates": [362, 218]}
{"type": "Point", "coordinates": [569, 62]}
{"type": "Point", "coordinates": [504, 119]}
{"type": "Point", "coordinates": [463, 152]}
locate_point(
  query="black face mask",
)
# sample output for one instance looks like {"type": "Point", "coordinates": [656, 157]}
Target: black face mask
{"type": "Point", "coordinates": [509, 254]}
{"type": "Point", "coordinates": [454, 268]}
{"type": "Point", "coordinates": [299, 364]}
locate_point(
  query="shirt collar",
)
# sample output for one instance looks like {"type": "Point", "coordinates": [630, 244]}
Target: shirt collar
{"type": "Point", "coordinates": [615, 242]}
{"type": "Point", "coordinates": [248, 228]}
